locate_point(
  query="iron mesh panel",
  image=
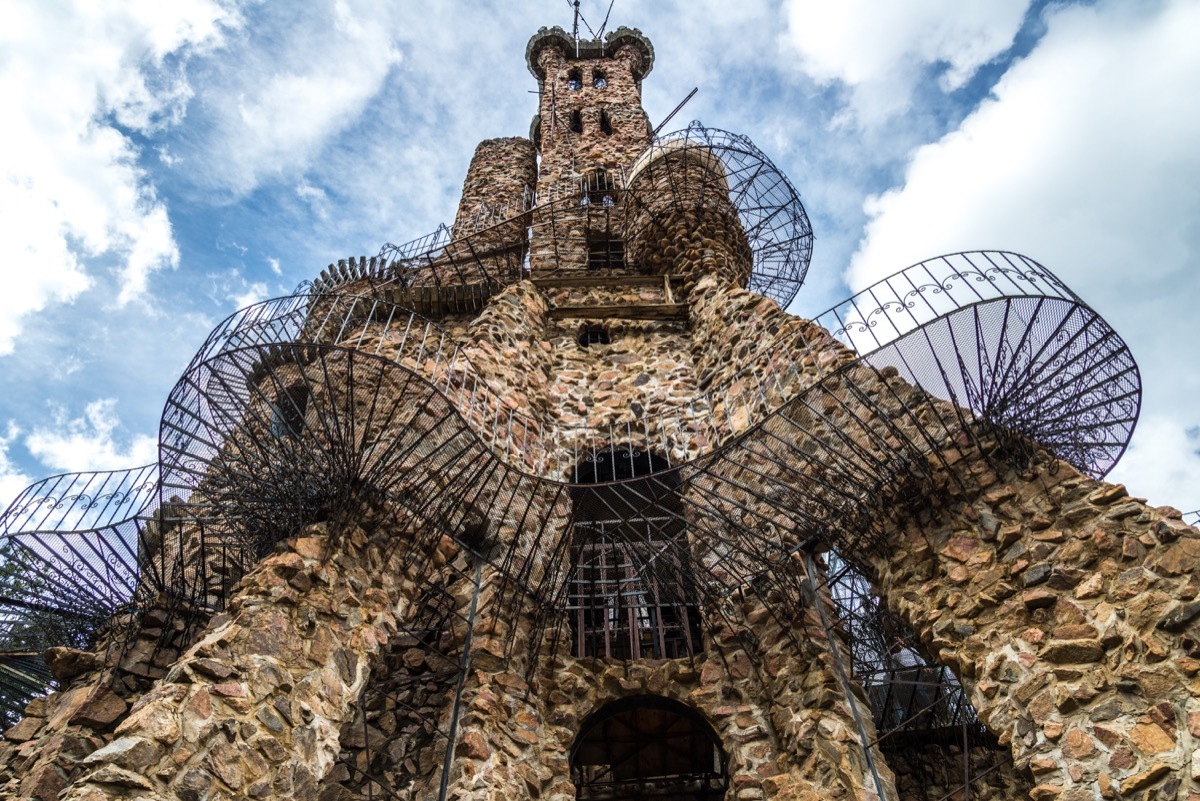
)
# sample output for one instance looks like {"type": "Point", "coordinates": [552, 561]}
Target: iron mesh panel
{"type": "Point", "coordinates": [947, 354]}
{"type": "Point", "coordinates": [492, 249]}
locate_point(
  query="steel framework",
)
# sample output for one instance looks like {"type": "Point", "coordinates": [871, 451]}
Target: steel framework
{"type": "Point", "coordinates": [322, 405]}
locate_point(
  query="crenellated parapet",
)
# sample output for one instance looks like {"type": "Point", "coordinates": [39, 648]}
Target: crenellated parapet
{"type": "Point", "coordinates": [630, 40]}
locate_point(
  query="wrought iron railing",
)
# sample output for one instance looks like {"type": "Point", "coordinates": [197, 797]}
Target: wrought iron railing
{"type": "Point", "coordinates": [995, 333]}
{"type": "Point", "coordinates": [803, 444]}
{"type": "Point", "coordinates": [768, 207]}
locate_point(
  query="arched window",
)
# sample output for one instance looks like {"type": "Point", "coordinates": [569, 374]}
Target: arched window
{"type": "Point", "coordinates": [287, 412]}
{"type": "Point", "coordinates": [648, 747]}
{"type": "Point", "coordinates": [599, 80]}
{"type": "Point", "coordinates": [577, 121]}
{"type": "Point", "coordinates": [575, 80]}
{"type": "Point", "coordinates": [632, 589]}
{"type": "Point", "coordinates": [605, 123]}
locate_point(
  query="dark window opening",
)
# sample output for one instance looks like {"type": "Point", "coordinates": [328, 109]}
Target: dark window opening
{"type": "Point", "coordinates": [606, 254]}
{"type": "Point", "coordinates": [576, 122]}
{"type": "Point", "coordinates": [575, 80]}
{"type": "Point", "coordinates": [287, 412]}
{"type": "Point", "coordinates": [648, 747]}
{"type": "Point", "coordinates": [605, 124]}
{"type": "Point", "coordinates": [632, 591]}
{"type": "Point", "coordinates": [599, 80]}
{"type": "Point", "coordinates": [594, 335]}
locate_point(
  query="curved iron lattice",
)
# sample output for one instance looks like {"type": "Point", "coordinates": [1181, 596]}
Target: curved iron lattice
{"type": "Point", "coordinates": [1001, 335]}
{"type": "Point", "coordinates": [769, 209]}
{"type": "Point", "coordinates": [303, 407]}
{"type": "Point", "coordinates": [836, 436]}
{"type": "Point", "coordinates": [73, 562]}
{"type": "Point", "coordinates": [491, 249]}
{"type": "Point", "coordinates": [23, 677]}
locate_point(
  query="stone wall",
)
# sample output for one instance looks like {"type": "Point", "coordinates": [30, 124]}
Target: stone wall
{"type": "Point", "coordinates": [501, 173]}
{"type": "Point", "coordinates": [573, 159]}
{"type": "Point", "coordinates": [567, 153]}
{"type": "Point", "coordinates": [255, 707]}
{"type": "Point", "coordinates": [644, 372]}
{"type": "Point", "coordinates": [681, 220]}
{"type": "Point", "coordinates": [1069, 610]}
{"type": "Point", "coordinates": [781, 712]}
{"type": "Point", "coordinates": [48, 748]}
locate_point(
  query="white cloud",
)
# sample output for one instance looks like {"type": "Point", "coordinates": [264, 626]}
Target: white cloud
{"type": "Point", "coordinates": [308, 86]}
{"type": "Point", "coordinates": [880, 50]}
{"type": "Point", "coordinates": [70, 187]}
{"type": "Point", "coordinates": [252, 294]}
{"type": "Point", "coordinates": [1085, 160]}
{"type": "Point", "coordinates": [12, 479]}
{"type": "Point", "coordinates": [88, 442]}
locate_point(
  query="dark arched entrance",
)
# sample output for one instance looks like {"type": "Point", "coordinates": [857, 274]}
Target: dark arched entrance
{"type": "Point", "coordinates": [648, 748]}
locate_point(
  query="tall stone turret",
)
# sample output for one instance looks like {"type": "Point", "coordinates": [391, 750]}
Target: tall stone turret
{"type": "Point", "coordinates": [559, 502]}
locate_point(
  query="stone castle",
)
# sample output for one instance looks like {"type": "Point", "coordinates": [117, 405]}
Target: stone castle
{"type": "Point", "coordinates": [559, 503]}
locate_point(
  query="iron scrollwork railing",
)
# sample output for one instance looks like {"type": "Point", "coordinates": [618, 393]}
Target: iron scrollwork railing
{"type": "Point", "coordinates": [768, 207]}
{"type": "Point", "coordinates": [803, 444]}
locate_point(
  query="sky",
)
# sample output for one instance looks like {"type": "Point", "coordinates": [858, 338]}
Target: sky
{"type": "Point", "coordinates": [164, 164]}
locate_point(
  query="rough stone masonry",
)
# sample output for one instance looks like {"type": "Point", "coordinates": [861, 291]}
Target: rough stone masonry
{"type": "Point", "coordinates": [599, 494]}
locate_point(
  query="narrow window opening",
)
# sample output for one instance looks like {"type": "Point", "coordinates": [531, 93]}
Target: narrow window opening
{"type": "Point", "coordinates": [631, 588]}
{"type": "Point", "coordinates": [599, 80]}
{"type": "Point", "coordinates": [605, 123]}
{"type": "Point", "coordinates": [648, 747]}
{"type": "Point", "coordinates": [576, 122]}
{"type": "Point", "coordinates": [594, 335]}
{"type": "Point", "coordinates": [575, 80]}
{"type": "Point", "coordinates": [287, 412]}
{"type": "Point", "coordinates": [606, 254]}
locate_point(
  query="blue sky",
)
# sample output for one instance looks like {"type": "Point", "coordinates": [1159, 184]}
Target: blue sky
{"type": "Point", "coordinates": [163, 164]}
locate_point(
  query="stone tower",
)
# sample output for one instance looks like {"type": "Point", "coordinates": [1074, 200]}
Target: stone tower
{"type": "Point", "coordinates": [559, 503]}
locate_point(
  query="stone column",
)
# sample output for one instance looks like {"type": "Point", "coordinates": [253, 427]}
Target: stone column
{"type": "Point", "coordinates": [1069, 610]}
{"type": "Point", "coordinates": [254, 708]}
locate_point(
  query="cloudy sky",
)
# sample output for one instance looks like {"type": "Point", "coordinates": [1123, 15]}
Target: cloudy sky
{"type": "Point", "coordinates": [163, 164]}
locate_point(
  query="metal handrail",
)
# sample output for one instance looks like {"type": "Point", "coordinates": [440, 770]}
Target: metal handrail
{"type": "Point", "coordinates": [870, 322]}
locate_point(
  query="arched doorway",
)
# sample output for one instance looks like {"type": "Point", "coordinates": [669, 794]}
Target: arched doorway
{"type": "Point", "coordinates": [648, 748]}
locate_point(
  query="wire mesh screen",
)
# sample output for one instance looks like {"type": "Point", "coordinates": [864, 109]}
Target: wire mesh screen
{"type": "Point", "coordinates": [317, 405]}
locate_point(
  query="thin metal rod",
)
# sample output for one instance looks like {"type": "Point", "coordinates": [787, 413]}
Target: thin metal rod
{"type": "Point", "coordinates": [464, 666]}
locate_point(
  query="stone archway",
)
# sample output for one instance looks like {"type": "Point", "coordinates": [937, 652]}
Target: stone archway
{"type": "Point", "coordinates": [648, 748]}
